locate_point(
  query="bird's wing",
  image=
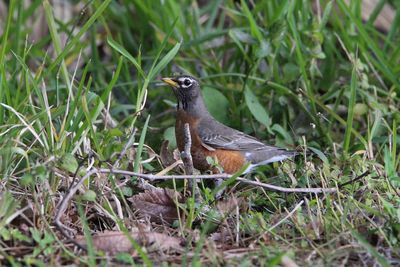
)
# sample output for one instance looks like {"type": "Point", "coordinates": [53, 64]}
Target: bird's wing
{"type": "Point", "coordinates": [217, 135]}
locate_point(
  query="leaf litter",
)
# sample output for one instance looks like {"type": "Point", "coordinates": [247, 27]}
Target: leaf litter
{"type": "Point", "coordinates": [115, 242]}
{"type": "Point", "coordinates": [159, 205]}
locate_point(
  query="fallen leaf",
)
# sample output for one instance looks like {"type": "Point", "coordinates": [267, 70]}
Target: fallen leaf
{"type": "Point", "coordinates": [224, 235]}
{"type": "Point", "coordinates": [167, 156]}
{"type": "Point", "coordinates": [117, 242]}
{"type": "Point", "coordinates": [227, 206]}
{"type": "Point", "coordinates": [288, 262]}
{"type": "Point", "coordinates": [158, 204]}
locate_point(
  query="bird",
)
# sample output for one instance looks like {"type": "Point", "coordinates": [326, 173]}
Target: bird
{"type": "Point", "coordinates": [210, 138]}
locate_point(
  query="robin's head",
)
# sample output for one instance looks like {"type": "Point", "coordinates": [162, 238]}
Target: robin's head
{"type": "Point", "coordinates": [186, 89]}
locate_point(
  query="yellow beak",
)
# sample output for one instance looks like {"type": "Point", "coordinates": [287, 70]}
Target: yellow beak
{"type": "Point", "coordinates": [170, 82]}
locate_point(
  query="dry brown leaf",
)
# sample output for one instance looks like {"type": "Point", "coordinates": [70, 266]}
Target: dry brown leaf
{"type": "Point", "coordinates": [116, 242]}
{"type": "Point", "coordinates": [227, 206]}
{"type": "Point", "coordinates": [159, 205]}
{"type": "Point", "coordinates": [177, 154]}
{"type": "Point", "coordinates": [167, 156]}
{"type": "Point", "coordinates": [224, 235]}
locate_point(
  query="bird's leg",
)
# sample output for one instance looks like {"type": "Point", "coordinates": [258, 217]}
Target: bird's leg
{"type": "Point", "coordinates": [217, 169]}
{"type": "Point", "coordinates": [218, 182]}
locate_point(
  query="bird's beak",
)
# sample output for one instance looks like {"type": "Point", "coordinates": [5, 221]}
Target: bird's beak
{"type": "Point", "coordinates": [170, 82]}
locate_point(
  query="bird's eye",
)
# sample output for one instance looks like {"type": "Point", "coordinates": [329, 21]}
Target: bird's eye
{"type": "Point", "coordinates": [187, 82]}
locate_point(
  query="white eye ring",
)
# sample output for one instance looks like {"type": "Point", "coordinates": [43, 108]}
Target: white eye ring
{"type": "Point", "coordinates": [186, 82]}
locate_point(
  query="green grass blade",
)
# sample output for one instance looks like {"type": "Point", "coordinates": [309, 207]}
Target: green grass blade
{"type": "Point", "coordinates": [381, 63]}
{"type": "Point", "coordinates": [72, 116]}
{"type": "Point", "coordinates": [377, 9]}
{"type": "Point", "coordinates": [88, 236]}
{"type": "Point", "coordinates": [114, 79]}
{"type": "Point", "coordinates": [350, 112]}
{"type": "Point", "coordinates": [126, 54]}
{"type": "Point", "coordinates": [394, 143]}
{"type": "Point", "coordinates": [255, 31]}
{"type": "Point", "coordinates": [76, 39]}
{"type": "Point", "coordinates": [325, 16]}
{"type": "Point", "coordinates": [56, 39]}
{"type": "Point", "coordinates": [3, 82]}
{"type": "Point", "coordinates": [140, 146]}
{"type": "Point", "coordinates": [164, 61]}
{"type": "Point", "coordinates": [302, 63]}
{"type": "Point", "coordinates": [91, 117]}
{"type": "Point", "coordinates": [7, 30]}
{"type": "Point", "coordinates": [151, 72]}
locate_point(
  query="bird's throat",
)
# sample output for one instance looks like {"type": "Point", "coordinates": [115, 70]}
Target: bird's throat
{"type": "Point", "coordinates": [193, 106]}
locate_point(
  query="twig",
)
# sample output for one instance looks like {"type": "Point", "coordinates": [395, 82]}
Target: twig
{"type": "Point", "coordinates": [187, 159]}
{"type": "Point", "coordinates": [62, 206]}
{"type": "Point", "coordinates": [186, 155]}
{"type": "Point", "coordinates": [141, 183]}
{"type": "Point", "coordinates": [287, 216]}
{"type": "Point", "coordinates": [237, 225]}
{"type": "Point", "coordinates": [285, 189]}
{"type": "Point", "coordinates": [281, 221]}
{"type": "Point", "coordinates": [64, 202]}
{"type": "Point", "coordinates": [152, 177]}
{"type": "Point", "coordinates": [355, 179]}
{"type": "Point", "coordinates": [131, 140]}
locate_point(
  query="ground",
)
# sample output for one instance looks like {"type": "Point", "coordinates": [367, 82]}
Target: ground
{"type": "Point", "coordinates": [83, 113]}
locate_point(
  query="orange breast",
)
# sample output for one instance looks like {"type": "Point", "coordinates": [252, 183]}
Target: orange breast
{"type": "Point", "coordinates": [230, 161]}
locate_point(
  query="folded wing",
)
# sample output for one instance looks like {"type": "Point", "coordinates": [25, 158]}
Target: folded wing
{"type": "Point", "coordinates": [218, 136]}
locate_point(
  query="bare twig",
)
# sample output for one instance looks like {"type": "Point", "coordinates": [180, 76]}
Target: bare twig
{"type": "Point", "coordinates": [66, 199]}
{"type": "Point", "coordinates": [354, 180]}
{"type": "Point", "coordinates": [130, 142]}
{"type": "Point", "coordinates": [187, 159]}
{"type": "Point", "coordinates": [285, 189]}
{"type": "Point", "coordinates": [151, 177]}
{"type": "Point", "coordinates": [186, 155]}
{"type": "Point", "coordinates": [237, 225]}
{"type": "Point", "coordinates": [62, 206]}
{"type": "Point", "coordinates": [287, 216]}
{"type": "Point", "coordinates": [281, 221]}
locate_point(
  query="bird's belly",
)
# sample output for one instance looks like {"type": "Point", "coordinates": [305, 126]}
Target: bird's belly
{"type": "Point", "coordinates": [231, 161]}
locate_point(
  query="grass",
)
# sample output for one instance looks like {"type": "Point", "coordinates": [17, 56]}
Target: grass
{"type": "Point", "coordinates": [79, 93]}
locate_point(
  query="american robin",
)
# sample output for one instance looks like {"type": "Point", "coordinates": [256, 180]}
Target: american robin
{"type": "Point", "coordinates": [211, 138]}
